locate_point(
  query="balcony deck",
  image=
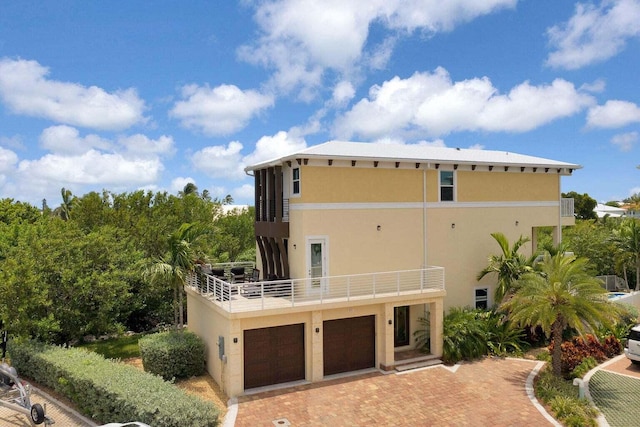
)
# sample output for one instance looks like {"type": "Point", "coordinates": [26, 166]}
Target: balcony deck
{"type": "Point", "coordinates": [292, 293]}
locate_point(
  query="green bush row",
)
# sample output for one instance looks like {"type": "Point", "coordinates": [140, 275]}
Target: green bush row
{"type": "Point", "coordinates": [110, 392]}
{"type": "Point", "coordinates": [173, 354]}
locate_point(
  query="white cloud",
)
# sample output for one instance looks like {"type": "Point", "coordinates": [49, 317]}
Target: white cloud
{"type": "Point", "coordinates": [25, 89]}
{"type": "Point", "coordinates": [8, 161]}
{"type": "Point", "coordinates": [613, 114]}
{"type": "Point", "coordinates": [625, 141]}
{"type": "Point", "coordinates": [432, 103]}
{"type": "Point", "coordinates": [91, 167]}
{"type": "Point", "coordinates": [278, 145]}
{"type": "Point", "coordinates": [221, 110]}
{"type": "Point", "coordinates": [301, 39]}
{"type": "Point", "coordinates": [245, 192]}
{"type": "Point", "coordinates": [220, 161]}
{"type": "Point", "coordinates": [594, 33]}
{"type": "Point", "coordinates": [343, 92]}
{"type": "Point", "coordinates": [142, 145]}
{"type": "Point", "coordinates": [63, 139]}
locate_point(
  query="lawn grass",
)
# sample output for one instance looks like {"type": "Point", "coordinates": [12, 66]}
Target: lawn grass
{"type": "Point", "coordinates": [124, 347]}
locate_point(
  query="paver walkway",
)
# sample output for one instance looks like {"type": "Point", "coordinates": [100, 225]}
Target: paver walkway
{"type": "Point", "coordinates": [490, 392]}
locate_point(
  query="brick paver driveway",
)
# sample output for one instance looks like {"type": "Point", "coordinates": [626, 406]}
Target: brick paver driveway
{"type": "Point", "coordinates": [615, 390]}
{"type": "Point", "coordinates": [490, 392]}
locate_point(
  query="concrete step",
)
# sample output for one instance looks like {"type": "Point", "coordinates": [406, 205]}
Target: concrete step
{"type": "Point", "coordinates": [420, 364]}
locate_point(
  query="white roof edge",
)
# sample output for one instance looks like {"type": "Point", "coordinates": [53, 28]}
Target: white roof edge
{"type": "Point", "coordinates": [412, 153]}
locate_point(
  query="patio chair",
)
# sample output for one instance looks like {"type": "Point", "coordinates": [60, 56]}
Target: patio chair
{"type": "Point", "coordinates": [237, 275]}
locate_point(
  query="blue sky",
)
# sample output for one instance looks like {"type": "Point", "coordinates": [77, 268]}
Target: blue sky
{"type": "Point", "coordinates": [155, 94]}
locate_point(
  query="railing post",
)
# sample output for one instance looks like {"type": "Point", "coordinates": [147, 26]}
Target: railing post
{"type": "Point", "coordinates": [422, 273]}
{"type": "Point", "coordinates": [398, 282]}
{"type": "Point", "coordinates": [348, 288]}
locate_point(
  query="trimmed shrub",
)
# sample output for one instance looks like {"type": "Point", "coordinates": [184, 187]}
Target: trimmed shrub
{"type": "Point", "coordinates": [173, 354]}
{"type": "Point", "coordinates": [110, 392]}
{"type": "Point", "coordinates": [587, 364]}
{"type": "Point", "coordinates": [574, 351]}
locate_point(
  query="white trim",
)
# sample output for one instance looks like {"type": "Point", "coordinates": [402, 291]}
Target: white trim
{"type": "Point", "coordinates": [324, 241]}
{"type": "Point", "coordinates": [454, 186]}
{"type": "Point", "coordinates": [419, 205]}
{"type": "Point", "coordinates": [489, 299]}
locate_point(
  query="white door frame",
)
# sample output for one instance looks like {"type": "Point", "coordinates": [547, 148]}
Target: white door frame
{"type": "Point", "coordinates": [315, 286]}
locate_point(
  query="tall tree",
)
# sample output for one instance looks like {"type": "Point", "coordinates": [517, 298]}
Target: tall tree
{"type": "Point", "coordinates": [172, 270]}
{"type": "Point", "coordinates": [561, 294]}
{"type": "Point", "coordinates": [627, 237]}
{"type": "Point", "coordinates": [508, 266]}
{"type": "Point", "coordinates": [583, 205]}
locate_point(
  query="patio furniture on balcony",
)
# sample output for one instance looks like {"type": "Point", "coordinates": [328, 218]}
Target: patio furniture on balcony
{"type": "Point", "coordinates": [237, 275]}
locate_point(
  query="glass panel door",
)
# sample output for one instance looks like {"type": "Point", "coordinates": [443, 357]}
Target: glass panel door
{"type": "Point", "coordinates": [401, 326]}
{"type": "Point", "coordinates": [316, 262]}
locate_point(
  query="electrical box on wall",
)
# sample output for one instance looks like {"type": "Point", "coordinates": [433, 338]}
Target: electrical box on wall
{"type": "Point", "coordinates": [221, 348]}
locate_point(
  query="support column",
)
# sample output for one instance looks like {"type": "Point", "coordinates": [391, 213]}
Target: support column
{"type": "Point", "coordinates": [317, 347]}
{"type": "Point", "coordinates": [385, 334]}
{"type": "Point", "coordinates": [235, 360]}
{"type": "Point", "coordinates": [436, 318]}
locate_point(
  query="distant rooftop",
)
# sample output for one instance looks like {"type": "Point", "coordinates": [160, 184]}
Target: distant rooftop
{"type": "Point", "coordinates": [414, 153]}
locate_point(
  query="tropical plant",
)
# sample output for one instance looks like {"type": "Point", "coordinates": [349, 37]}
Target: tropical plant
{"type": "Point", "coordinates": [503, 337]}
{"type": "Point", "coordinates": [172, 270]}
{"type": "Point", "coordinates": [561, 295]}
{"type": "Point", "coordinates": [464, 335]}
{"type": "Point", "coordinates": [627, 239]}
{"type": "Point", "coordinates": [508, 266]}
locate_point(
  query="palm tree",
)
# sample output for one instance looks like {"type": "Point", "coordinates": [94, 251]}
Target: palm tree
{"type": "Point", "coordinates": [509, 265]}
{"type": "Point", "coordinates": [173, 269]}
{"type": "Point", "coordinates": [560, 295]}
{"type": "Point", "coordinates": [67, 204]}
{"type": "Point", "coordinates": [627, 239]}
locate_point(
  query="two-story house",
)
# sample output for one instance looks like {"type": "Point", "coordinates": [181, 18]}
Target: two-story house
{"type": "Point", "coordinates": [355, 243]}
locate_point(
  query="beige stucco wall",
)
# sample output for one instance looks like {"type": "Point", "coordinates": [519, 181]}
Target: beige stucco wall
{"type": "Point", "coordinates": [330, 184]}
{"type": "Point", "coordinates": [209, 322]}
{"type": "Point", "coordinates": [345, 205]}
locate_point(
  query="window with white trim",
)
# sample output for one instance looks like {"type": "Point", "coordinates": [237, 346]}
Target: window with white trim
{"type": "Point", "coordinates": [295, 180]}
{"type": "Point", "coordinates": [447, 186]}
{"type": "Point", "coordinates": [481, 298]}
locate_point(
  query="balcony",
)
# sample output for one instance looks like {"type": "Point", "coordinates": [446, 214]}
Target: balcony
{"type": "Point", "coordinates": [296, 293]}
{"type": "Point", "coordinates": [566, 208]}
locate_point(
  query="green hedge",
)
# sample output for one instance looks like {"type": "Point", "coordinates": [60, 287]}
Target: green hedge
{"type": "Point", "coordinates": [173, 354]}
{"type": "Point", "coordinates": [110, 392]}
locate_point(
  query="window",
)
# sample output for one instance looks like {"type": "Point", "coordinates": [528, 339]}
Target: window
{"type": "Point", "coordinates": [482, 298]}
{"type": "Point", "coordinates": [446, 186]}
{"type": "Point", "coordinates": [296, 181]}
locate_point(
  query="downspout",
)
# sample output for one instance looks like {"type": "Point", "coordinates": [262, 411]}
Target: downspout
{"type": "Point", "coordinates": [559, 232]}
{"type": "Point", "coordinates": [424, 218]}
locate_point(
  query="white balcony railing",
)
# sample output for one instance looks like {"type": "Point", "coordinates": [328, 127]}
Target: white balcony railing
{"type": "Point", "coordinates": [566, 207]}
{"type": "Point", "coordinates": [264, 295]}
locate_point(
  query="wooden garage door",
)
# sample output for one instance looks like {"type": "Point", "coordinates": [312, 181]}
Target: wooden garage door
{"type": "Point", "coordinates": [349, 344]}
{"type": "Point", "coordinates": [273, 355]}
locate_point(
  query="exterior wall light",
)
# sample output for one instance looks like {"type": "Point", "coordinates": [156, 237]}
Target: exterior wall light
{"type": "Point", "coordinates": [453, 225]}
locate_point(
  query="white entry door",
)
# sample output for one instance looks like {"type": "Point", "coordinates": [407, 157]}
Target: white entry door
{"type": "Point", "coordinates": [317, 263]}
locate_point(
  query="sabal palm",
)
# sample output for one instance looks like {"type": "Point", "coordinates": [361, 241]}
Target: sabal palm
{"type": "Point", "coordinates": [173, 269]}
{"type": "Point", "coordinates": [509, 265]}
{"type": "Point", "coordinates": [560, 295]}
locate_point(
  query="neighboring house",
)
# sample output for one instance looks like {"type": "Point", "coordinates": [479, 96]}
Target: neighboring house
{"type": "Point", "coordinates": [356, 242]}
{"type": "Point", "coordinates": [603, 210]}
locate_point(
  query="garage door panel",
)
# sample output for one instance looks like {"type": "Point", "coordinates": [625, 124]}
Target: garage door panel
{"type": "Point", "coordinates": [273, 355]}
{"type": "Point", "coordinates": [349, 344]}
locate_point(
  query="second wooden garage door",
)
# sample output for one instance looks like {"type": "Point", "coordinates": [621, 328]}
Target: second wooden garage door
{"type": "Point", "coordinates": [273, 355]}
{"type": "Point", "coordinates": [349, 344]}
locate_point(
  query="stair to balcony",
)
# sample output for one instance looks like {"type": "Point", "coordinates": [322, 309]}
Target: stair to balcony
{"type": "Point", "coordinates": [417, 362]}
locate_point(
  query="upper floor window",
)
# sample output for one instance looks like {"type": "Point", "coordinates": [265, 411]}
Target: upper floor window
{"type": "Point", "coordinates": [295, 181]}
{"type": "Point", "coordinates": [446, 186]}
